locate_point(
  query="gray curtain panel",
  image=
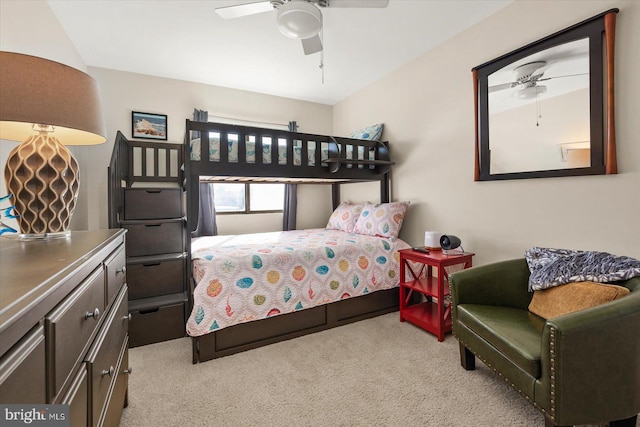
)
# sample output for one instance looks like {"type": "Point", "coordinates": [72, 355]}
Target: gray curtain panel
{"type": "Point", "coordinates": [290, 196]}
{"type": "Point", "coordinates": [199, 116]}
{"type": "Point", "coordinates": [207, 210]}
{"type": "Point", "coordinates": [290, 207]}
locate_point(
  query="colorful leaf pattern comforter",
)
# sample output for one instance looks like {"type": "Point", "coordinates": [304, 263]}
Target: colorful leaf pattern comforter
{"type": "Point", "coordinates": [255, 276]}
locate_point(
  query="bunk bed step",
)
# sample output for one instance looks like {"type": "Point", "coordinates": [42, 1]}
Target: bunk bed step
{"type": "Point", "coordinates": [152, 203]}
{"type": "Point", "coordinates": [157, 319]}
{"type": "Point", "coordinates": [155, 237]}
{"type": "Point", "coordinates": [154, 276]}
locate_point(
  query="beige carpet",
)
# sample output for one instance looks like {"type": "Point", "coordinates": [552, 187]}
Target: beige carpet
{"type": "Point", "coordinates": [377, 372]}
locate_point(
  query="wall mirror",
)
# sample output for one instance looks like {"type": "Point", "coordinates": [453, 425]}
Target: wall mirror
{"type": "Point", "coordinates": [546, 109]}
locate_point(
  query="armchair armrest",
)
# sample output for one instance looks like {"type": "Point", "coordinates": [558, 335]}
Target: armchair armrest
{"type": "Point", "coordinates": [593, 356]}
{"type": "Point", "coordinates": [502, 284]}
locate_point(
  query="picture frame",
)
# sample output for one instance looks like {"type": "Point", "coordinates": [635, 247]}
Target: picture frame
{"type": "Point", "coordinates": [148, 126]}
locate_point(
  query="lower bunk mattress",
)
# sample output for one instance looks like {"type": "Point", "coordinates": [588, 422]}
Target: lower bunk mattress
{"type": "Point", "coordinates": [256, 276]}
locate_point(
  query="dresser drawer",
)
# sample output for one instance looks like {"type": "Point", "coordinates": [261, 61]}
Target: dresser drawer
{"type": "Point", "coordinates": [157, 324]}
{"type": "Point", "coordinates": [102, 357]}
{"type": "Point", "coordinates": [77, 399]}
{"type": "Point", "coordinates": [152, 203]}
{"type": "Point", "coordinates": [69, 328]}
{"type": "Point", "coordinates": [115, 265]}
{"type": "Point", "coordinates": [150, 278]}
{"type": "Point", "coordinates": [113, 412]}
{"type": "Point", "coordinates": [154, 237]}
{"type": "Point", "coordinates": [22, 371]}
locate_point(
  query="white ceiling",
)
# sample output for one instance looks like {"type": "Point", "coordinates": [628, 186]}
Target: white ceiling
{"type": "Point", "coordinates": [187, 40]}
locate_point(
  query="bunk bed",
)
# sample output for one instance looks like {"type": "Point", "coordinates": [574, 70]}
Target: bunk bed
{"type": "Point", "coordinates": [215, 152]}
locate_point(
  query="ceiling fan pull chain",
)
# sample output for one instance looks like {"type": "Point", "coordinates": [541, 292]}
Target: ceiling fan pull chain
{"type": "Point", "coordinates": [322, 56]}
{"type": "Point", "coordinates": [538, 108]}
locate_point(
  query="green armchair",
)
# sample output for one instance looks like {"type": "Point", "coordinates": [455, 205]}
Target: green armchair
{"type": "Point", "coordinates": [579, 368]}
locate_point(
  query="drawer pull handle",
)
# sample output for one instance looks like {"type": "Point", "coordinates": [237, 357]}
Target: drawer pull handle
{"type": "Point", "coordinates": [129, 370]}
{"type": "Point", "coordinates": [109, 371]}
{"type": "Point", "coordinates": [152, 225]}
{"type": "Point", "coordinates": [95, 314]}
{"type": "Point", "coordinates": [154, 191]}
{"type": "Point", "coordinates": [122, 270]}
{"type": "Point", "coordinates": [151, 264]}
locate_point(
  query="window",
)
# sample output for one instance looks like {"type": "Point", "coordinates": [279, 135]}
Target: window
{"type": "Point", "coordinates": [248, 198]}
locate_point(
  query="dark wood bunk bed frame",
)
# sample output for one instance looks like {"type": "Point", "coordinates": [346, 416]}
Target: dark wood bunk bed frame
{"type": "Point", "coordinates": [370, 163]}
{"type": "Point", "coordinates": [335, 170]}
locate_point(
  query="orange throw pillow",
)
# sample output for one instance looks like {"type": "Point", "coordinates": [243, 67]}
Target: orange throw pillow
{"type": "Point", "coordinates": [576, 296]}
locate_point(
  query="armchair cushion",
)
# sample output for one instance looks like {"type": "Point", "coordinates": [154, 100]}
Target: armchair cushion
{"type": "Point", "coordinates": [514, 332]}
{"type": "Point", "coordinates": [554, 302]}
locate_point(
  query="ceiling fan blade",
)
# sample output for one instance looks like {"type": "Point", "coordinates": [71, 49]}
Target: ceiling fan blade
{"type": "Point", "coordinates": [237, 11]}
{"type": "Point", "coordinates": [357, 3]}
{"type": "Point", "coordinates": [500, 87]}
{"type": "Point", "coordinates": [312, 45]}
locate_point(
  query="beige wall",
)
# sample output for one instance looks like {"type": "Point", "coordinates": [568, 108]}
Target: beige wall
{"type": "Point", "coordinates": [124, 92]}
{"type": "Point", "coordinates": [427, 108]}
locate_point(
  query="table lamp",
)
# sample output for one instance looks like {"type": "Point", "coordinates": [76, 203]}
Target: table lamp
{"type": "Point", "coordinates": [46, 104]}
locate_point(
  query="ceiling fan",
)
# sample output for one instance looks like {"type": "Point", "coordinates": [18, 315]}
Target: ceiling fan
{"type": "Point", "coordinates": [298, 19]}
{"type": "Point", "coordinates": [527, 79]}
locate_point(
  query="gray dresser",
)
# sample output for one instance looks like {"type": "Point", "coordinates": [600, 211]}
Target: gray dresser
{"type": "Point", "coordinates": [64, 324]}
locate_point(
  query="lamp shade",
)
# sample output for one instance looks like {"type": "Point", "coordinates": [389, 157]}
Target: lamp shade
{"type": "Point", "coordinates": [47, 105]}
{"type": "Point", "coordinates": [37, 90]}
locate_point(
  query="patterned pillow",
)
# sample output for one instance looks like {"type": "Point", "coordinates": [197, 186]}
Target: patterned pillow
{"type": "Point", "coordinates": [372, 133]}
{"type": "Point", "coordinates": [384, 220]}
{"type": "Point", "coordinates": [344, 217]}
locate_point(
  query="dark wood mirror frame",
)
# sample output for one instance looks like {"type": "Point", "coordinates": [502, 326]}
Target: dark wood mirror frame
{"type": "Point", "coordinates": [600, 30]}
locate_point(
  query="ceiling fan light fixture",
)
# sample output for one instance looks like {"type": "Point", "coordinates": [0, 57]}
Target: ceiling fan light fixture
{"type": "Point", "coordinates": [299, 19]}
{"type": "Point", "coordinates": [530, 91]}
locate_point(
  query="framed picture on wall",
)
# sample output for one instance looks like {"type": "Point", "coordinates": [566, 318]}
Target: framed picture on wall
{"type": "Point", "coordinates": [148, 126]}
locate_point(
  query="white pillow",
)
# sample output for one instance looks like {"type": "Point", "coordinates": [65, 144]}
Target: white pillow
{"type": "Point", "coordinates": [344, 217]}
{"type": "Point", "coordinates": [383, 220]}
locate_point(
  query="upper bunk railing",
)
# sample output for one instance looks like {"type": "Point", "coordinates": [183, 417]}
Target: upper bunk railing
{"type": "Point", "coordinates": [223, 150]}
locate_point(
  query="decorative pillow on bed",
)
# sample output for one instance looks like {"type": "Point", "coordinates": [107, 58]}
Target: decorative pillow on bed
{"type": "Point", "coordinates": [372, 133]}
{"type": "Point", "coordinates": [554, 302]}
{"type": "Point", "coordinates": [383, 220]}
{"type": "Point", "coordinates": [344, 217]}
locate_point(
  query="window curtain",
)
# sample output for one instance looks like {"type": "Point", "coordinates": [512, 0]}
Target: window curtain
{"type": "Point", "coordinates": [207, 210]}
{"type": "Point", "coordinates": [290, 207]}
{"type": "Point", "coordinates": [290, 196]}
{"type": "Point", "coordinates": [199, 116]}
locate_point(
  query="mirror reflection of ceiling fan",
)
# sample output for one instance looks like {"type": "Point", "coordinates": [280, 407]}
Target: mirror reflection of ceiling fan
{"type": "Point", "coordinates": [298, 19]}
{"type": "Point", "coordinates": [527, 79]}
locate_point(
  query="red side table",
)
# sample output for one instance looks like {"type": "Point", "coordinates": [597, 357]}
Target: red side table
{"type": "Point", "coordinates": [429, 315]}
